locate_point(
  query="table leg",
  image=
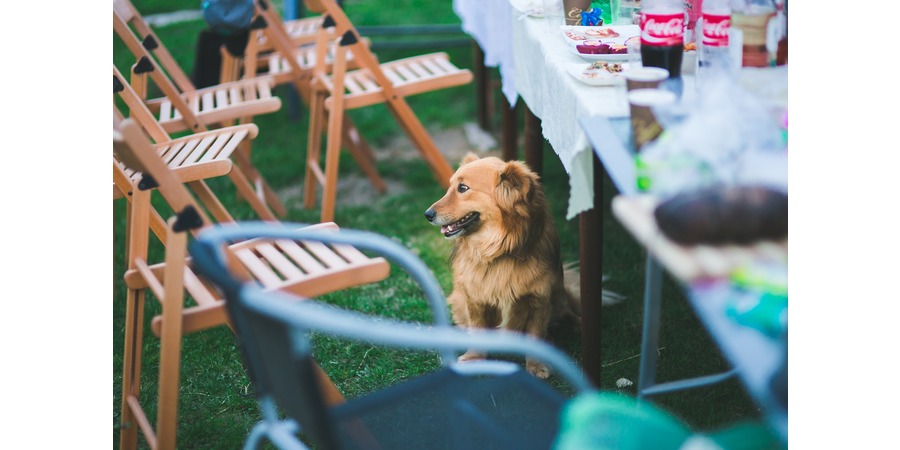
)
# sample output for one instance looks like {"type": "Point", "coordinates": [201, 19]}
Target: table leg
{"type": "Point", "coordinates": [650, 333]}
{"type": "Point", "coordinates": [590, 224]}
{"type": "Point", "coordinates": [482, 86]}
{"type": "Point", "coordinates": [534, 142]}
{"type": "Point", "coordinates": [510, 131]}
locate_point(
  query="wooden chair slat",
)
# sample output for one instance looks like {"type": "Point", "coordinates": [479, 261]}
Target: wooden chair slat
{"type": "Point", "coordinates": [302, 257]}
{"type": "Point", "coordinates": [279, 262]}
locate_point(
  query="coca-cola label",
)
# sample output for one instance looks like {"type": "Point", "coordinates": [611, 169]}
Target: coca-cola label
{"type": "Point", "coordinates": [662, 30]}
{"type": "Point", "coordinates": [715, 30]}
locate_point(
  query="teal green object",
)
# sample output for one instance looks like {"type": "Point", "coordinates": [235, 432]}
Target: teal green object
{"type": "Point", "coordinates": [760, 297]}
{"type": "Point", "coordinates": [610, 421]}
{"type": "Point", "coordinates": [610, 10]}
{"type": "Point", "coordinates": [613, 421]}
{"type": "Point", "coordinates": [766, 313]}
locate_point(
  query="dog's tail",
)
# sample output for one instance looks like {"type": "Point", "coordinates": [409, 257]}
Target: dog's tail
{"type": "Point", "coordinates": [572, 282]}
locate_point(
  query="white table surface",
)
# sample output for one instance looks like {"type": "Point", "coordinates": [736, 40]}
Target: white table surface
{"type": "Point", "coordinates": [488, 22]}
{"type": "Point", "coordinates": [542, 61]}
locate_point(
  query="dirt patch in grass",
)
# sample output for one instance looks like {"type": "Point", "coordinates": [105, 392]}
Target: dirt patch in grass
{"type": "Point", "coordinates": [355, 189]}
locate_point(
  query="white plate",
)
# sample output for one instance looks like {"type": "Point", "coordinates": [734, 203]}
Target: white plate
{"type": "Point", "coordinates": [570, 33]}
{"type": "Point", "coordinates": [597, 77]}
{"type": "Point", "coordinates": [624, 31]}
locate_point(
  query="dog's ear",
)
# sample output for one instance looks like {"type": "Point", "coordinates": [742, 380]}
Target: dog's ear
{"type": "Point", "coordinates": [471, 156]}
{"type": "Point", "coordinates": [516, 183]}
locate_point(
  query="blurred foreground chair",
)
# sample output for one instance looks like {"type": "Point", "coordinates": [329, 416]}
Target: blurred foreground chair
{"type": "Point", "coordinates": [372, 83]}
{"type": "Point", "coordinates": [301, 268]}
{"type": "Point", "coordinates": [472, 405]}
{"type": "Point", "coordinates": [184, 107]}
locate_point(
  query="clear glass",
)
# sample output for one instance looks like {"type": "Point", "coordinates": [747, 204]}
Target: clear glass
{"type": "Point", "coordinates": [610, 11]}
{"type": "Point", "coordinates": [629, 12]}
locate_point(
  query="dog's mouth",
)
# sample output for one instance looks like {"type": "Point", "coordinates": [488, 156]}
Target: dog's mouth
{"type": "Point", "coordinates": [460, 225]}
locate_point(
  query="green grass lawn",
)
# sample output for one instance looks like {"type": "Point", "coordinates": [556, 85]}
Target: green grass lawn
{"type": "Point", "coordinates": [217, 408]}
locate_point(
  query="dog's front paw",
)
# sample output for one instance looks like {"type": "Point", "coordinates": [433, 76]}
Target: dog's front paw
{"type": "Point", "coordinates": [471, 356]}
{"type": "Point", "coordinates": [537, 369]}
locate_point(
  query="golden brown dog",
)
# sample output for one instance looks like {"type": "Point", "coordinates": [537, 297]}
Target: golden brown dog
{"type": "Point", "coordinates": [507, 270]}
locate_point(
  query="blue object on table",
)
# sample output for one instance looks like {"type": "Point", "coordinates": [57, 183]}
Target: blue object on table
{"type": "Point", "coordinates": [592, 17]}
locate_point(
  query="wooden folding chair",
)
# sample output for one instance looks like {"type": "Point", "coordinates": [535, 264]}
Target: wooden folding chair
{"type": "Point", "coordinates": [301, 32]}
{"type": "Point", "coordinates": [373, 83]}
{"type": "Point", "coordinates": [197, 150]}
{"type": "Point", "coordinates": [183, 107]}
{"type": "Point", "coordinates": [287, 52]}
{"type": "Point", "coordinates": [193, 159]}
{"type": "Point", "coordinates": [297, 267]}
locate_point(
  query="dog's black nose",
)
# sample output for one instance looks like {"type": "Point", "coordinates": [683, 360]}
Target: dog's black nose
{"type": "Point", "coordinates": [429, 214]}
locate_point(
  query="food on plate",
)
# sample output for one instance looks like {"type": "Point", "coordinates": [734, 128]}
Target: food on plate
{"type": "Point", "coordinates": [575, 36]}
{"type": "Point", "coordinates": [724, 214]}
{"type": "Point", "coordinates": [607, 66]}
{"type": "Point", "coordinates": [690, 46]}
{"type": "Point", "coordinates": [618, 49]}
{"type": "Point", "coordinates": [635, 39]}
{"type": "Point", "coordinates": [598, 73]}
{"type": "Point", "coordinates": [593, 47]}
{"type": "Point", "coordinates": [601, 32]}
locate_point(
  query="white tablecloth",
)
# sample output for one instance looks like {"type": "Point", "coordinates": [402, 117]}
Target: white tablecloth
{"type": "Point", "coordinates": [542, 60]}
{"type": "Point", "coordinates": [488, 22]}
{"type": "Point", "coordinates": [534, 62]}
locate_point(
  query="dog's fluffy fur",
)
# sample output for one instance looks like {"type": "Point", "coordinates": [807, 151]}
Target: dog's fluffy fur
{"type": "Point", "coordinates": [507, 270]}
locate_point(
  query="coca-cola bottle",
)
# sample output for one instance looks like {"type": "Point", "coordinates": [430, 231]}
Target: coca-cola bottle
{"type": "Point", "coordinates": [662, 35]}
{"type": "Point", "coordinates": [713, 53]}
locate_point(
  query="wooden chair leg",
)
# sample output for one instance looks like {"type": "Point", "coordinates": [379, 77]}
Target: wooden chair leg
{"type": "Point", "coordinates": [250, 194]}
{"type": "Point", "coordinates": [131, 364]}
{"type": "Point", "coordinates": [332, 160]}
{"type": "Point", "coordinates": [363, 154]}
{"type": "Point", "coordinates": [314, 176]}
{"type": "Point", "coordinates": [422, 140]}
{"type": "Point", "coordinates": [262, 198]}
{"type": "Point", "coordinates": [171, 339]}
{"type": "Point", "coordinates": [333, 137]}
{"type": "Point", "coordinates": [137, 248]}
{"type": "Point", "coordinates": [211, 201]}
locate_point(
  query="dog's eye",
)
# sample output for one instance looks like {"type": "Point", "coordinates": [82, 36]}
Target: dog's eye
{"type": "Point", "coordinates": [462, 188]}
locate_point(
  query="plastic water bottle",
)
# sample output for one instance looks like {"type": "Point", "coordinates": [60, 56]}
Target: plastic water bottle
{"type": "Point", "coordinates": [713, 53]}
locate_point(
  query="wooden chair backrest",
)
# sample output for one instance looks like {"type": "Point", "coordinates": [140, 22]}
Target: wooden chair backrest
{"type": "Point", "coordinates": [126, 11]}
{"type": "Point", "coordinates": [136, 152]}
{"type": "Point", "coordinates": [153, 58]}
{"type": "Point", "coordinates": [350, 41]}
{"type": "Point", "coordinates": [137, 108]}
{"type": "Point", "coordinates": [281, 41]}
